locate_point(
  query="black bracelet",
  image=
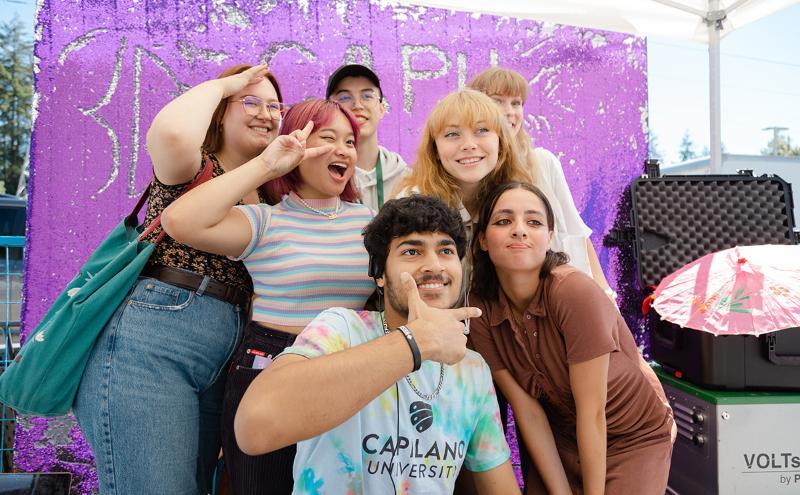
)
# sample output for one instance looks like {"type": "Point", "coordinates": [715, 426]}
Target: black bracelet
{"type": "Point", "coordinates": [413, 345]}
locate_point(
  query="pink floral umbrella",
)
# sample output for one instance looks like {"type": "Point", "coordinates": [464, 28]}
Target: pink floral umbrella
{"type": "Point", "coordinates": [742, 290]}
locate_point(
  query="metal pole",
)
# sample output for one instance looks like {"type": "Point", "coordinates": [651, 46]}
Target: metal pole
{"type": "Point", "coordinates": [776, 133]}
{"type": "Point", "coordinates": [714, 27]}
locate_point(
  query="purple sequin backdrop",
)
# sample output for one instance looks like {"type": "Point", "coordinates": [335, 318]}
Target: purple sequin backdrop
{"type": "Point", "coordinates": [105, 68]}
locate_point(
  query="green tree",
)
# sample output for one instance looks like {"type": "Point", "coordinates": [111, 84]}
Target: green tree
{"type": "Point", "coordinates": [781, 146]}
{"type": "Point", "coordinates": [686, 150]}
{"type": "Point", "coordinates": [16, 94]}
{"type": "Point", "coordinates": [653, 151]}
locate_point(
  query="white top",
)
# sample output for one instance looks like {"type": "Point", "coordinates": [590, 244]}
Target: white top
{"type": "Point", "coordinates": [570, 234]}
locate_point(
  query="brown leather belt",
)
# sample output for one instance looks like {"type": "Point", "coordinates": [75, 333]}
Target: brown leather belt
{"type": "Point", "coordinates": [192, 281]}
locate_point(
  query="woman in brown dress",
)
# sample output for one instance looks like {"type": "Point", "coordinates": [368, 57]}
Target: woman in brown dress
{"type": "Point", "coordinates": [591, 411]}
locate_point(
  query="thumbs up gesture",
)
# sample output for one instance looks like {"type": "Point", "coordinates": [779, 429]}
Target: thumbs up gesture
{"type": "Point", "coordinates": [439, 333]}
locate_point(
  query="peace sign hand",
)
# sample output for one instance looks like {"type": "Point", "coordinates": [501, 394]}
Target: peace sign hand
{"type": "Point", "coordinates": [439, 332]}
{"type": "Point", "coordinates": [287, 151]}
{"type": "Point", "coordinates": [237, 82]}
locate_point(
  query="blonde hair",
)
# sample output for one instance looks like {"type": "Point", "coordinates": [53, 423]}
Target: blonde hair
{"type": "Point", "coordinates": [498, 81]}
{"type": "Point", "coordinates": [507, 82]}
{"type": "Point", "coordinates": [428, 175]}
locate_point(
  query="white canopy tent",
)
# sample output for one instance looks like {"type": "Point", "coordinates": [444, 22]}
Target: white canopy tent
{"type": "Point", "coordinates": [704, 21]}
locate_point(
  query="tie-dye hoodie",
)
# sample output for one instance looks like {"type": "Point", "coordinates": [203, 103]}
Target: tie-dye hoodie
{"type": "Point", "coordinates": [430, 440]}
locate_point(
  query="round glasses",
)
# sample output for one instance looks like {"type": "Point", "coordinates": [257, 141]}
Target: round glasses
{"type": "Point", "coordinates": [253, 105]}
{"type": "Point", "coordinates": [368, 98]}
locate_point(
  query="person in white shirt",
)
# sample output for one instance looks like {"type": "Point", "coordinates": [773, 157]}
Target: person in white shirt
{"type": "Point", "coordinates": [509, 90]}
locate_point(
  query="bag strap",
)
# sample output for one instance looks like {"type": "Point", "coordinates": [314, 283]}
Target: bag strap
{"type": "Point", "coordinates": [205, 174]}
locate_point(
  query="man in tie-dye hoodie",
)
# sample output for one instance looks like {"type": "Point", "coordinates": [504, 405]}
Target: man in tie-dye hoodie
{"type": "Point", "coordinates": [387, 401]}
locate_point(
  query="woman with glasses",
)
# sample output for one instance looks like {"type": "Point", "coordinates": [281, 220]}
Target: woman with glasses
{"type": "Point", "coordinates": [150, 398]}
{"type": "Point", "coordinates": [590, 410]}
{"type": "Point", "coordinates": [509, 90]}
{"type": "Point", "coordinates": [305, 254]}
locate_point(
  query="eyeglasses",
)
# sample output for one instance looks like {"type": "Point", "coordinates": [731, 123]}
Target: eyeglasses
{"type": "Point", "coordinates": [368, 98]}
{"type": "Point", "coordinates": [253, 106]}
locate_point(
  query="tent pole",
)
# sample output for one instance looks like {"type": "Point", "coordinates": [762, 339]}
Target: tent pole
{"type": "Point", "coordinates": [714, 27]}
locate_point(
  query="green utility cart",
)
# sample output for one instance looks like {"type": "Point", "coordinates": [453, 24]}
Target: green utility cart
{"type": "Point", "coordinates": [743, 443]}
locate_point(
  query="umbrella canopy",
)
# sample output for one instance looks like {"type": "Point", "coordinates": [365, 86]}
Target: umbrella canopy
{"type": "Point", "coordinates": [704, 21]}
{"type": "Point", "coordinates": [743, 290]}
{"type": "Point", "coordinates": [678, 19]}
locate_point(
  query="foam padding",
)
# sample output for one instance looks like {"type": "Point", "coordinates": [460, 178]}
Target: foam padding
{"type": "Point", "coordinates": [680, 219]}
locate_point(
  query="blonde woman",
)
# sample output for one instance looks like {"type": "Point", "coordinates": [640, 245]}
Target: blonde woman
{"type": "Point", "coordinates": [509, 90]}
{"type": "Point", "coordinates": [466, 149]}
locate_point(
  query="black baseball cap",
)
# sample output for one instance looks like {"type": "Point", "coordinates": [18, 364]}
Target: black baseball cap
{"type": "Point", "coordinates": [352, 70]}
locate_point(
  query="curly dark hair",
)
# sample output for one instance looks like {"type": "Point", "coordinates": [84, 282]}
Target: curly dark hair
{"type": "Point", "coordinates": [404, 216]}
{"type": "Point", "coordinates": [484, 276]}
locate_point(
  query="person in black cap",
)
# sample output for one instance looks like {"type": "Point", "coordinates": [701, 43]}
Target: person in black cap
{"type": "Point", "coordinates": [378, 170]}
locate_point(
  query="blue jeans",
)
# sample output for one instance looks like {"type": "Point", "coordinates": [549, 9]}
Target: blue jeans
{"type": "Point", "coordinates": [151, 395]}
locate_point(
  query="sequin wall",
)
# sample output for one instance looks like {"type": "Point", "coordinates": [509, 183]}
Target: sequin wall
{"type": "Point", "coordinates": [105, 68]}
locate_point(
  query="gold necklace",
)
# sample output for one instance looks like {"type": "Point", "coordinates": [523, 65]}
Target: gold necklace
{"type": "Point", "coordinates": [331, 216]}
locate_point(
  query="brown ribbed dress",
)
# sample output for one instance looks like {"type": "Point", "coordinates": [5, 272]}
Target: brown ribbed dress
{"type": "Point", "coordinates": [570, 320]}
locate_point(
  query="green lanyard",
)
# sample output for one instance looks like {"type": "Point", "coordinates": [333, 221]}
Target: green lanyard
{"type": "Point", "coordinates": [379, 179]}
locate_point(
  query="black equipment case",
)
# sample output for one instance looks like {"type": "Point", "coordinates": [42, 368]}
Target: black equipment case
{"type": "Point", "coordinates": [677, 219]}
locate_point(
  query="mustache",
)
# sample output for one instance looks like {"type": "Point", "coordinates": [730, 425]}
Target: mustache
{"type": "Point", "coordinates": [432, 278]}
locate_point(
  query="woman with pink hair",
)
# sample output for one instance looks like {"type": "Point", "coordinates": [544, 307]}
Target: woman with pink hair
{"type": "Point", "coordinates": [305, 254]}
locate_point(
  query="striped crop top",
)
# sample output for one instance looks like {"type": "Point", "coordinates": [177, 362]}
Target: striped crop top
{"type": "Point", "coordinates": [302, 262]}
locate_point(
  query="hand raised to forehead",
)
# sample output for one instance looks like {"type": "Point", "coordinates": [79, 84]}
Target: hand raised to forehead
{"type": "Point", "coordinates": [438, 332]}
{"type": "Point", "coordinates": [287, 151]}
{"type": "Point", "coordinates": [237, 82]}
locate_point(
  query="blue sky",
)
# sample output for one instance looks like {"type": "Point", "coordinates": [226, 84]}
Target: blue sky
{"type": "Point", "coordinates": [760, 83]}
{"type": "Point", "coordinates": [760, 86]}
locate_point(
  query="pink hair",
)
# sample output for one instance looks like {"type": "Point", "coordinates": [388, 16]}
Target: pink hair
{"type": "Point", "coordinates": [320, 112]}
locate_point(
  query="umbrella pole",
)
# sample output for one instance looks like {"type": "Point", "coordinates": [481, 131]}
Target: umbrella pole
{"type": "Point", "coordinates": [714, 28]}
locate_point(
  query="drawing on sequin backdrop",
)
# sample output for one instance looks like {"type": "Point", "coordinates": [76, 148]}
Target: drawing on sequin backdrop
{"type": "Point", "coordinates": [104, 69]}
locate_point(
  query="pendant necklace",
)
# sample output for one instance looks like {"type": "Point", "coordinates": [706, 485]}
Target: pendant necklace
{"type": "Point", "coordinates": [330, 215]}
{"type": "Point", "coordinates": [427, 397]}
